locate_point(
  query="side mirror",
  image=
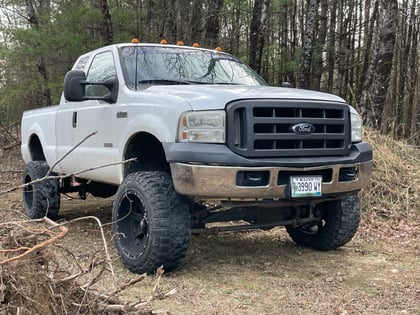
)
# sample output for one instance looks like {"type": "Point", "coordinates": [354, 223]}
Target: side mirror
{"type": "Point", "coordinates": [75, 88]}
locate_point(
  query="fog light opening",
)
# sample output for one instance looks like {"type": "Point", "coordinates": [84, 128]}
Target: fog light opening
{"type": "Point", "coordinates": [252, 178]}
{"type": "Point", "coordinates": [348, 174]}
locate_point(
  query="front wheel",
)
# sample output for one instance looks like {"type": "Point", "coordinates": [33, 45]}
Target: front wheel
{"type": "Point", "coordinates": [339, 222]}
{"type": "Point", "coordinates": [151, 222]}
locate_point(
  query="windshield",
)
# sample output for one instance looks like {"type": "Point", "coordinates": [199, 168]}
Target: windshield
{"type": "Point", "coordinates": [176, 65]}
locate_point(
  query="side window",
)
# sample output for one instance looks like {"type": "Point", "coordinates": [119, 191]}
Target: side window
{"type": "Point", "coordinates": [101, 69]}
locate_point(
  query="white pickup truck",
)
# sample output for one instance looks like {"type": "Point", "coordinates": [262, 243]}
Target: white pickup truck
{"type": "Point", "coordinates": [201, 125]}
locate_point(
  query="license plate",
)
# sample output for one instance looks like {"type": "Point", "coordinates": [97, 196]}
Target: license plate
{"type": "Point", "coordinates": [306, 186]}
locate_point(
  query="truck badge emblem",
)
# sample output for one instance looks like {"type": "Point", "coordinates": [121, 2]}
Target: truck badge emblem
{"type": "Point", "coordinates": [303, 129]}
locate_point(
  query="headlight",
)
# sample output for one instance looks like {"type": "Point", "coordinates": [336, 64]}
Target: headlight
{"type": "Point", "coordinates": [202, 126]}
{"type": "Point", "coordinates": [356, 125]}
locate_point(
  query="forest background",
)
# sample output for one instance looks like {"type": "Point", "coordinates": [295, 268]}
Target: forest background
{"type": "Point", "coordinates": [365, 51]}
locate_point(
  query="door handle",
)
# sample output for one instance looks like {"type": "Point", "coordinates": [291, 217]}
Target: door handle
{"type": "Point", "coordinates": [122, 114]}
{"type": "Point", "coordinates": [74, 120]}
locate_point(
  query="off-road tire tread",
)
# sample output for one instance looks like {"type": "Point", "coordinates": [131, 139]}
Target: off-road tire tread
{"type": "Point", "coordinates": [45, 194]}
{"type": "Point", "coordinates": [168, 215]}
{"type": "Point", "coordinates": [343, 218]}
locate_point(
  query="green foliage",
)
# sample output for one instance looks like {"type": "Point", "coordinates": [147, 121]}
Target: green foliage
{"type": "Point", "coordinates": [34, 57]}
{"type": "Point", "coordinates": [123, 31]}
{"type": "Point", "coordinates": [38, 56]}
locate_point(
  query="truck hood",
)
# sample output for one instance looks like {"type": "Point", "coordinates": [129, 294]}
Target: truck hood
{"type": "Point", "coordinates": [217, 96]}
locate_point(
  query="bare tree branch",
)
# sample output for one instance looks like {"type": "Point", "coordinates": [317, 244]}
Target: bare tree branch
{"type": "Point", "coordinates": [64, 176]}
{"type": "Point", "coordinates": [69, 152]}
{"type": "Point", "coordinates": [54, 238]}
{"type": "Point", "coordinates": [105, 244]}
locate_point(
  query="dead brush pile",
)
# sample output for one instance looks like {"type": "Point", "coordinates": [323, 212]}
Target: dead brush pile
{"type": "Point", "coordinates": [392, 197]}
{"type": "Point", "coordinates": [39, 276]}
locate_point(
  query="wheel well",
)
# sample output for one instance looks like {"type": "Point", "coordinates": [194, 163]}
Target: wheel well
{"type": "Point", "coordinates": [149, 153]}
{"type": "Point", "coordinates": [35, 148]}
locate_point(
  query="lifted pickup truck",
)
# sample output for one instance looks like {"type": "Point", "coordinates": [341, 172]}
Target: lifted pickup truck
{"type": "Point", "coordinates": [199, 125]}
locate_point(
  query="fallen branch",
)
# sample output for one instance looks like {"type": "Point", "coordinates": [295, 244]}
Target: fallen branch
{"type": "Point", "coordinates": [10, 171]}
{"type": "Point", "coordinates": [83, 297]}
{"type": "Point", "coordinates": [24, 279]}
{"type": "Point", "coordinates": [108, 257]}
{"type": "Point", "coordinates": [60, 177]}
{"type": "Point", "coordinates": [62, 225]}
{"type": "Point", "coordinates": [124, 286]}
{"type": "Point", "coordinates": [7, 132]}
{"type": "Point", "coordinates": [138, 306]}
{"type": "Point", "coordinates": [11, 146]}
{"type": "Point", "coordinates": [47, 176]}
{"type": "Point", "coordinates": [39, 246]}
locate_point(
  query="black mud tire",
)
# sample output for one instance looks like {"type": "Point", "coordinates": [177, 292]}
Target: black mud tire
{"type": "Point", "coordinates": [43, 198]}
{"type": "Point", "coordinates": [151, 222]}
{"type": "Point", "coordinates": [340, 220]}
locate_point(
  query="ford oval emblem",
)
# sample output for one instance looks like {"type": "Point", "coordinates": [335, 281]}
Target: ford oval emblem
{"type": "Point", "coordinates": [303, 129]}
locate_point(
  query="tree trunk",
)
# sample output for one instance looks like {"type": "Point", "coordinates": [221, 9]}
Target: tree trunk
{"type": "Point", "coordinates": [413, 107]}
{"type": "Point", "coordinates": [107, 23]}
{"type": "Point", "coordinates": [257, 33]}
{"type": "Point", "coordinates": [331, 48]}
{"type": "Point", "coordinates": [283, 49]}
{"type": "Point", "coordinates": [378, 75]}
{"type": "Point", "coordinates": [213, 23]}
{"type": "Point", "coordinates": [393, 115]}
{"type": "Point", "coordinates": [197, 21]}
{"type": "Point", "coordinates": [149, 19]}
{"type": "Point", "coordinates": [308, 44]}
{"type": "Point", "coordinates": [369, 32]}
{"type": "Point", "coordinates": [44, 90]}
{"type": "Point", "coordinates": [184, 24]}
{"type": "Point", "coordinates": [169, 31]}
{"type": "Point", "coordinates": [341, 51]}
{"type": "Point", "coordinates": [320, 42]}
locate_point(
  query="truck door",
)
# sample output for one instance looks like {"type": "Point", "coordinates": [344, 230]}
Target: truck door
{"type": "Point", "coordinates": [77, 120]}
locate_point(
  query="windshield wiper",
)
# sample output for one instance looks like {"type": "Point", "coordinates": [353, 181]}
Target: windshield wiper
{"type": "Point", "coordinates": [163, 82]}
{"type": "Point", "coordinates": [182, 82]}
{"type": "Point", "coordinates": [227, 83]}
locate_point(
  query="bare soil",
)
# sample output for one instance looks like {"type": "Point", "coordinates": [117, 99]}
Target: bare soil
{"type": "Point", "coordinates": [260, 272]}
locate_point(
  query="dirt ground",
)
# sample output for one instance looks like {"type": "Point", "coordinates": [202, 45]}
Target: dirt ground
{"type": "Point", "coordinates": [260, 272]}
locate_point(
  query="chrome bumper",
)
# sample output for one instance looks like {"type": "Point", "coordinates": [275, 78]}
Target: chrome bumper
{"type": "Point", "coordinates": [220, 182]}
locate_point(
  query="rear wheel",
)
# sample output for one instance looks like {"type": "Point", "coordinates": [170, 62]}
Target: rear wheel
{"type": "Point", "coordinates": [42, 198]}
{"type": "Point", "coordinates": [151, 222]}
{"type": "Point", "coordinates": [339, 222]}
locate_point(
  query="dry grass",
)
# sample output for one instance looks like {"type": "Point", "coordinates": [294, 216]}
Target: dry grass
{"type": "Point", "coordinates": [264, 272]}
{"type": "Point", "coordinates": [391, 202]}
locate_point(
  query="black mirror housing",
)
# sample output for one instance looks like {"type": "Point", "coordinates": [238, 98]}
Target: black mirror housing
{"type": "Point", "coordinates": [75, 83]}
{"type": "Point", "coordinates": [74, 90]}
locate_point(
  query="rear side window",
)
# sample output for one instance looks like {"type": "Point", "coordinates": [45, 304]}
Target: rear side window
{"type": "Point", "coordinates": [81, 63]}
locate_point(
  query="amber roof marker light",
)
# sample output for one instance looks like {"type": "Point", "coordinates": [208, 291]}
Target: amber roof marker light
{"type": "Point", "coordinates": [134, 41]}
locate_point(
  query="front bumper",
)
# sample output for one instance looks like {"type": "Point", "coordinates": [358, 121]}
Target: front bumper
{"type": "Point", "coordinates": [221, 182]}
